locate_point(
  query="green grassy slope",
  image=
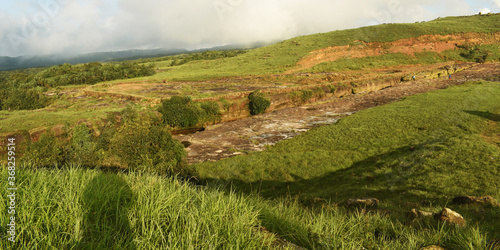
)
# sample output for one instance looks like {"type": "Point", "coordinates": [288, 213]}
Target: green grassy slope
{"type": "Point", "coordinates": [276, 58]}
{"type": "Point", "coordinates": [89, 209]}
{"type": "Point", "coordinates": [283, 56]}
{"type": "Point", "coordinates": [429, 146]}
{"type": "Point", "coordinates": [432, 146]}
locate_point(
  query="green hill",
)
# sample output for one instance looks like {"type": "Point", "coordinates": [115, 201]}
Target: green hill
{"type": "Point", "coordinates": [283, 56]}
{"type": "Point", "coordinates": [417, 153]}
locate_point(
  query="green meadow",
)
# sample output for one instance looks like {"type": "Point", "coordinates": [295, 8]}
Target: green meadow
{"type": "Point", "coordinates": [420, 152]}
{"type": "Point", "coordinates": [431, 147]}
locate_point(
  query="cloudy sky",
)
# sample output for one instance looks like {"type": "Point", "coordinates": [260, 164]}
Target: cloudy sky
{"type": "Point", "coordinates": [29, 27]}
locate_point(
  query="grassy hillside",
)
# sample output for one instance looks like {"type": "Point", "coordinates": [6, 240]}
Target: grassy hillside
{"type": "Point", "coordinates": [422, 146]}
{"type": "Point", "coordinates": [89, 209]}
{"type": "Point", "coordinates": [420, 152]}
{"type": "Point", "coordinates": [430, 147]}
{"type": "Point", "coordinates": [68, 103]}
{"type": "Point", "coordinates": [283, 56]}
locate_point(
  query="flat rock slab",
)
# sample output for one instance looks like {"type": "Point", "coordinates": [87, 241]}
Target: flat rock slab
{"type": "Point", "coordinates": [257, 132]}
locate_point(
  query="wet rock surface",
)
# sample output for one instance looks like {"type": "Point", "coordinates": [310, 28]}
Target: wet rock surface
{"type": "Point", "coordinates": [255, 133]}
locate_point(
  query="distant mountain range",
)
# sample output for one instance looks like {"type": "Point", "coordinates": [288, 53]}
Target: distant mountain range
{"type": "Point", "coordinates": [24, 62]}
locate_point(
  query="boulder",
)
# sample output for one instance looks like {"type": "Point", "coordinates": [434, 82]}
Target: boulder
{"type": "Point", "coordinates": [364, 202]}
{"type": "Point", "coordinates": [450, 216]}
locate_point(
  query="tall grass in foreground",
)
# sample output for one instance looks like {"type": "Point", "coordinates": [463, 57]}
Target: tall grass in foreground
{"type": "Point", "coordinates": [76, 208]}
{"type": "Point", "coordinates": [90, 209]}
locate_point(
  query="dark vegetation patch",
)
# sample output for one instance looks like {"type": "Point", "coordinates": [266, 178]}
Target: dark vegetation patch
{"type": "Point", "coordinates": [23, 89]}
{"type": "Point", "coordinates": [258, 103]}
{"type": "Point", "coordinates": [182, 112]}
{"type": "Point", "coordinates": [139, 142]}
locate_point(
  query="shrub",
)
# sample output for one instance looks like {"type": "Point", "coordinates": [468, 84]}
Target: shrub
{"type": "Point", "coordinates": [318, 92]}
{"type": "Point", "coordinates": [23, 99]}
{"type": "Point", "coordinates": [331, 88]}
{"type": "Point", "coordinates": [306, 94]}
{"type": "Point", "coordinates": [143, 146]}
{"type": "Point", "coordinates": [294, 96]}
{"type": "Point", "coordinates": [210, 111]}
{"type": "Point", "coordinates": [258, 103]}
{"type": "Point", "coordinates": [84, 148]}
{"type": "Point", "coordinates": [474, 53]}
{"type": "Point", "coordinates": [48, 151]}
{"type": "Point", "coordinates": [128, 114]}
{"type": "Point", "coordinates": [179, 112]}
{"type": "Point", "coordinates": [225, 104]}
{"type": "Point", "coordinates": [183, 113]}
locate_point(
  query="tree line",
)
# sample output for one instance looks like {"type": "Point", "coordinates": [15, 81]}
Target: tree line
{"type": "Point", "coordinates": [22, 89]}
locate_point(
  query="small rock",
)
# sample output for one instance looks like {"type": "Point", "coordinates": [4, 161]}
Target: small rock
{"type": "Point", "coordinates": [450, 216]}
{"type": "Point", "coordinates": [366, 202]}
{"type": "Point", "coordinates": [433, 247]}
{"type": "Point", "coordinates": [415, 213]}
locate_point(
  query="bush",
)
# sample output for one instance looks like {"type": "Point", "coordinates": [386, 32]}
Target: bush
{"type": "Point", "coordinates": [258, 103]}
{"type": "Point", "coordinates": [226, 105]}
{"type": "Point", "coordinates": [179, 112]}
{"type": "Point", "coordinates": [138, 142]}
{"type": "Point", "coordinates": [48, 151]}
{"type": "Point", "coordinates": [318, 92]}
{"type": "Point", "coordinates": [474, 53]}
{"type": "Point", "coordinates": [210, 111]}
{"type": "Point", "coordinates": [331, 88]}
{"type": "Point", "coordinates": [183, 113]}
{"type": "Point", "coordinates": [84, 148]}
{"type": "Point", "coordinates": [143, 146]}
{"type": "Point", "coordinates": [305, 95]}
{"type": "Point", "coordinates": [23, 99]}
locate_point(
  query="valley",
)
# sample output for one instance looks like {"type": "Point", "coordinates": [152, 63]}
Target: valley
{"type": "Point", "coordinates": [381, 137]}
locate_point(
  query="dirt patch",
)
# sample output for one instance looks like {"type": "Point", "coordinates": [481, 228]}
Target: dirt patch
{"type": "Point", "coordinates": [410, 46]}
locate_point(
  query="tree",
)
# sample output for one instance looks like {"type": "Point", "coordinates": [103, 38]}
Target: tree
{"type": "Point", "coordinates": [258, 103]}
{"type": "Point", "coordinates": [179, 112]}
{"type": "Point", "coordinates": [146, 147]}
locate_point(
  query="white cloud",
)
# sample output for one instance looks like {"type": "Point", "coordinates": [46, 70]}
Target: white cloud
{"type": "Point", "coordinates": [99, 25]}
{"type": "Point", "coordinates": [485, 11]}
